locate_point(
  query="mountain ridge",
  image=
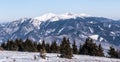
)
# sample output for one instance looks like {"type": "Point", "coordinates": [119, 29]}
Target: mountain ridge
{"type": "Point", "coordinates": [102, 30]}
{"type": "Point", "coordinates": [56, 17]}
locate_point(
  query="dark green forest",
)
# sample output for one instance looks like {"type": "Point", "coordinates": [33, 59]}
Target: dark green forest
{"type": "Point", "coordinates": [65, 48]}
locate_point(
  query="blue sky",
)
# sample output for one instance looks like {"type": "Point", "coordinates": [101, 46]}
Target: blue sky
{"type": "Point", "coordinates": [15, 9]}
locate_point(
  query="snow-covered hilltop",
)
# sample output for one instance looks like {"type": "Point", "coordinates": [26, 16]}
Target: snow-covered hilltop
{"type": "Point", "coordinates": [57, 17]}
{"type": "Point", "coordinates": [11, 56]}
{"type": "Point", "coordinates": [55, 26]}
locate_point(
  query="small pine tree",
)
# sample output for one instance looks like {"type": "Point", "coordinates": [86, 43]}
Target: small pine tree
{"type": "Point", "coordinates": [11, 45]}
{"type": "Point", "coordinates": [74, 48]}
{"type": "Point", "coordinates": [100, 51]}
{"type": "Point", "coordinates": [29, 46]}
{"type": "Point", "coordinates": [8, 45]}
{"type": "Point", "coordinates": [47, 47]}
{"type": "Point", "coordinates": [39, 47]}
{"type": "Point", "coordinates": [35, 46]}
{"type": "Point", "coordinates": [80, 47]}
{"type": "Point", "coordinates": [3, 45]}
{"type": "Point", "coordinates": [43, 44]}
{"type": "Point", "coordinates": [112, 53]}
{"type": "Point", "coordinates": [118, 53]}
{"type": "Point", "coordinates": [65, 49]}
{"type": "Point", "coordinates": [89, 48]}
{"type": "Point", "coordinates": [19, 43]}
{"type": "Point", "coordinates": [54, 47]}
{"type": "Point", "coordinates": [14, 46]}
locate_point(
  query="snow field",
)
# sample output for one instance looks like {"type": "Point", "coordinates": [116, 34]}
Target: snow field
{"type": "Point", "coordinates": [13, 56]}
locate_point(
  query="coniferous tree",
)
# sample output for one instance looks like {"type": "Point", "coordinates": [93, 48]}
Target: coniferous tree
{"type": "Point", "coordinates": [39, 47]}
{"type": "Point", "coordinates": [100, 51]}
{"type": "Point", "coordinates": [35, 46]}
{"type": "Point", "coordinates": [3, 45]}
{"type": "Point", "coordinates": [89, 48]}
{"type": "Point", "coordinates": [54, 47]}
{"type": "Point", "coordinates": [112, 53]}
{"type": "Point", "coordinates": [118, 52]}
{"type": "Point", "coordinates": [69, 49]}
{"type": "Point", "coordinates": [47, 47]}
{"type": "Point", "coordinates": [14, 46]}
{"type": "Point", "coordinates": [29, 46]}
{"type": "Point", "coordinates": [19, 43]}
{"type": "Point", "coordinates": [80, 47]}
{"type": "Point", "coordinates": [43, 44]}
{"type": "Point", "coordinates": [8, 45]}
{"type": "Point", "coordinates": [65, 49]}
{"type": "Point", "coordinates": [11, 45]}
{"type": "Point", "coordinates": [74, 48]}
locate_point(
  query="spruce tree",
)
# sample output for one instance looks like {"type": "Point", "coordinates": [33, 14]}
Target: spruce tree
{"type": "Point", "coordinates": [39, 47]}
{"type": "Point", "coordinates": [8, 45]}
{"type": "Point", "coordinates": [65, 49]}
{"type": "Point", "coordinates": [43, 44]}
{"type": "Point", "coordinates": [89, 48]}
{"type": "Point", "coordinates": [118, 53]}
{"type": "Point", "coordinates": [112, 53]}
{"type": "Point", "coordinates": [74, 48]}
{"type": "Point", "coordinates": [3, 45]}
{"type": "Point", "coordinates": [11, 45]}
{"type": "Point", "coordinates": [80, 48]}
{"type": "Point", "coordinates": [35, 46]}
{"type": "Point", "coordinates": [100, 51]}
{"type": "Point", "coordinates": [54, 47]}
{"type": "Point", "coordinates": [47, 47]}
{"type": "Point", "coordinates": [19, 43]}
{"type": "Point", "coordinates": [14, 46]}
{"type": "Point", "coordinates": [29, 46]}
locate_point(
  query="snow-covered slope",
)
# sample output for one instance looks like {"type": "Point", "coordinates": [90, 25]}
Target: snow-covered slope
{"type": "Point", "coordinates": [55, 17]}
{"type": "Point", "coordinates": [11, 56]}
{"type": "Point", "coordinates": [54, 27]}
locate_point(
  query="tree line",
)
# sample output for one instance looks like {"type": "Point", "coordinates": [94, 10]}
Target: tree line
{"type": "Point", "coordinates": [65, 48]}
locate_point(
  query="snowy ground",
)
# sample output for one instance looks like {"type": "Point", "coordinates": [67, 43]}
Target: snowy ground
{"type": "Point", "coordinates": [10, 56]}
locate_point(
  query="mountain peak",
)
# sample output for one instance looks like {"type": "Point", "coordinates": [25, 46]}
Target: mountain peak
{"type": "Point", "coordinates": [56, 17]}
{"type": "Point", "coordinates": [84, 15]}
{"type": "Point", "coordinates": [45, 17]}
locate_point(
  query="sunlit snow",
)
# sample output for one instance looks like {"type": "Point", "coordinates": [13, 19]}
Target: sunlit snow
{"type": "Point", "coordinates": [11, 56]}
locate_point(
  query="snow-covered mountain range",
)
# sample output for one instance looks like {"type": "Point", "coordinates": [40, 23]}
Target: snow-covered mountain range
{"type": "Point", "coordinates": [53, 27]}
